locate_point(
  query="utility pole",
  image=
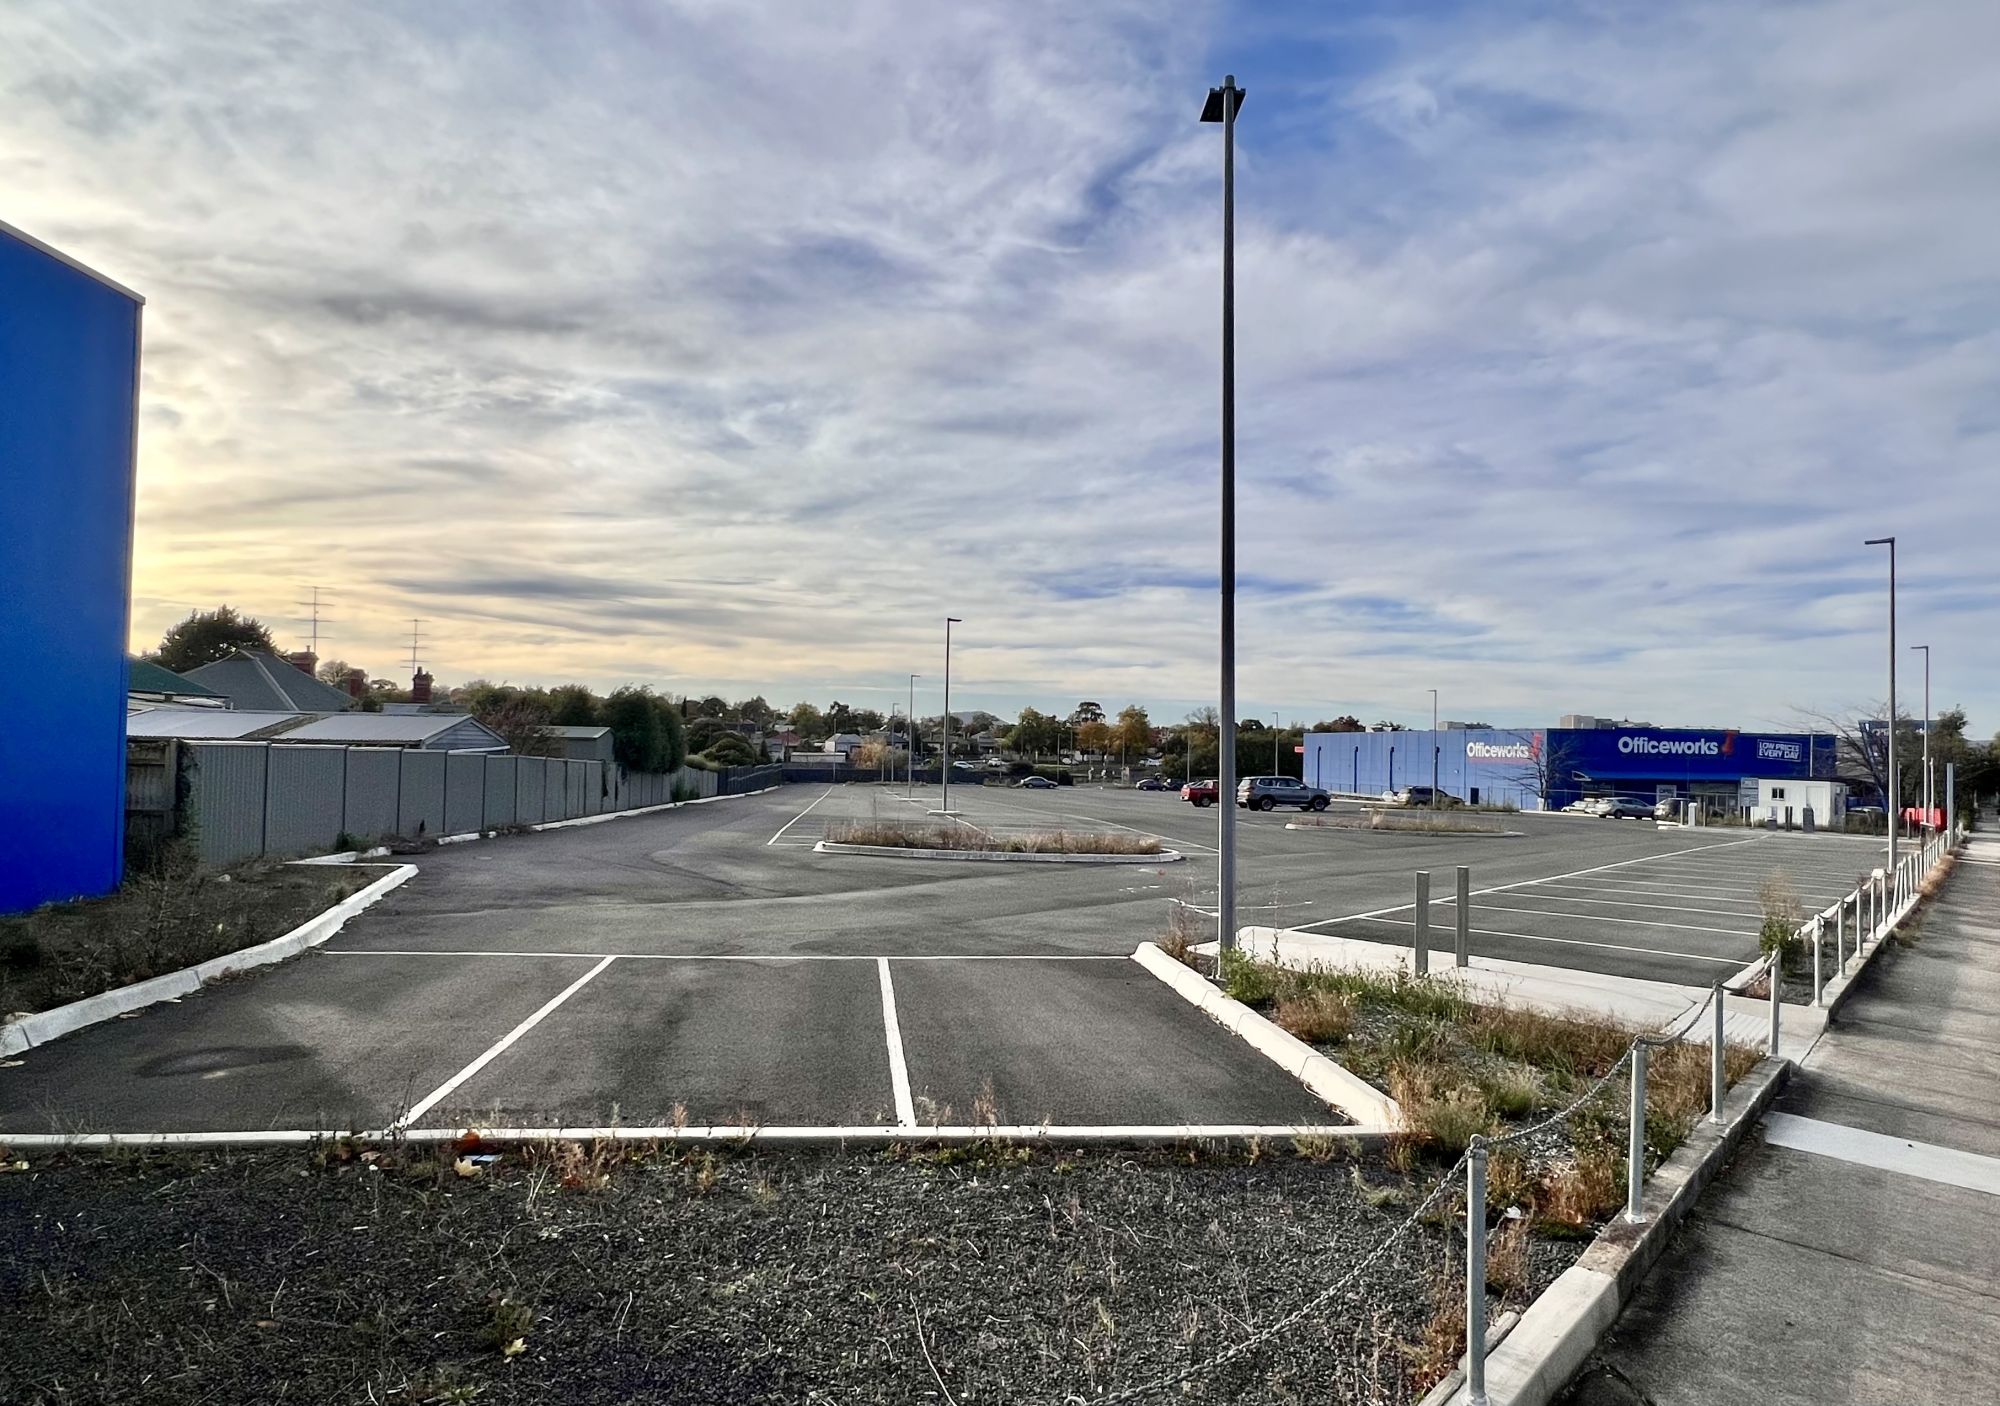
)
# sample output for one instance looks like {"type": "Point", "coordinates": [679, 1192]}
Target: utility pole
{"type": "Point", "coordinates": [1434, 749]}
{"type": "Point", "coordinates": [910, 752]}
{"type": "Point", "coordinates": [1222, 106]}
{"type": "Point", "coordinates": [944, 758]}
{"type": "Point", "coordinates": [1929, 803]}
{"type": "Point", "coordinates": [1895, 796]}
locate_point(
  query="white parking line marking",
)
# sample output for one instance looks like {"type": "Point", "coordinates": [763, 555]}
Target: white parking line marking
{"type": "Point", "coordinates": [734, 956]}
{"type": "Point", "coordinates": [1566, 942]}
{"type": "Point", "coordinates": [1182, 845]}
{"type": "Point", "coordinates": [1528, 883]}
{"type": "Point", "coordinates": [423, 1106]}
{"type": "Point", "coordinates": [1602, 918]}
{"type": "Point", "coordinates": [899, 1072]}
{"type": "Point", "coordinates": [797, 818]}
{"type": "Point", "coordinates": [1603, 902]}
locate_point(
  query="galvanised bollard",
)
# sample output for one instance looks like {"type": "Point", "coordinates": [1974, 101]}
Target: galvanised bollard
{"type": "Point", "coordinates": [1462, 948]}
{"type": "Point", "coordinates": [1422, 961]}
{"type": "Point", "coordinates": [1818, 987]}
{"type": "Point", "coordinates": [1776, 983]}
{"type": "Point", "coordinates": [1635, 1152]}
{"type": "Point", "coordinates": [1840, 936]}
{"type": "Point", "coordinates": [1475, 1273]}
{"type": "Point", "coordinates": [1717, 1085]}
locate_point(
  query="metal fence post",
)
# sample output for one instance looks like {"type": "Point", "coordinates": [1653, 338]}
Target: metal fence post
{"type": "Point", "coordinates": [1462, 950]}
{"type": "Point", "coordinates": [1421, 963]}
{"type": "Point", "coordinates": [1718, 1087]}
{"type": "Point", "coordinates": [1818, 937]}
{"type": "Point", "coordinates": [1776, 983]}
{"type": "Point", "coordinates": [1635, 1152]}
{"type": "Point", "coordinates": [1475, 1273]}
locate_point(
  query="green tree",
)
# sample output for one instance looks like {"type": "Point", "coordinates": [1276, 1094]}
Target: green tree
{"type": "Point", "coordinates": [1133, 734]}
{"type": "Point", "coordinates": [808, 721]}
{"type": "Point", "coordinates": [731, 749]}
{"type": "Point", "coordinates": [712, 706]}
{"type": "Point", "coordinates": [572, 705]}
{"type": "Point", "coordinates": [1346, 722]}
{"type": "Point", "coordinates": [756, 712]}
{"type": "Point", "coordinates": [1086, 712]}
{"type": "Point", "coordinates": [1035, 734]}
{"type": "Point", "coordinates": [208, 635]}
{"type": "Point", "coordinates": [645, 730]}
{"type": "Point", "coordinates": [702, 732]}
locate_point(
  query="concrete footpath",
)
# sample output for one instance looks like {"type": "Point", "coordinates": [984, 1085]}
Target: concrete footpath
{"type": "Point", "coordinates": [1850, 1255]}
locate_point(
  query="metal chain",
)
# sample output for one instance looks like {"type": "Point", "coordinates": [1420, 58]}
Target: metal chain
{"type": "Point", "coordinates": [1590, 1093]}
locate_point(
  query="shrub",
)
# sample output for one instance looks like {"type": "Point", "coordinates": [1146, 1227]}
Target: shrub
{"type": "Point", "coordinates": [1437, 1119]}
{"type": "Point", "coordinates": [1246, 979]}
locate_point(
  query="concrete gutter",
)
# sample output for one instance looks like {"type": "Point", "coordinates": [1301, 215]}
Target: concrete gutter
{"type": "Point", "coordinates": [1360, 1100]}
{"type": "Point", "coordinates": [44, 1026]}
{"type": "Point", "coordinates": [1558, 1332]}
{"type": "Point", "coordinates": [995, 856]}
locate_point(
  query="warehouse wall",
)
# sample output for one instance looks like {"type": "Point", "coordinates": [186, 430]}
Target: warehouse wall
{"type": "Point", "coordinates": [69, 367]}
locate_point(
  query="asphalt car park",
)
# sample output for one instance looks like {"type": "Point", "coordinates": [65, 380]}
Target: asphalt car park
{"type": "Point", "coordinates": [706, 965]}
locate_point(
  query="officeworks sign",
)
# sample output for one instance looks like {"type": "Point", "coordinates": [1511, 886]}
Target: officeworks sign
{"type": "Point", "coordinates": [1500, 751]}
{"type": "Point", "coordinates": [1683, 754]}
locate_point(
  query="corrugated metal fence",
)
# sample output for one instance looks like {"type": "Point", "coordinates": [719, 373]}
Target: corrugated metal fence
{"type": "Point", "coordinates": [244, 799]}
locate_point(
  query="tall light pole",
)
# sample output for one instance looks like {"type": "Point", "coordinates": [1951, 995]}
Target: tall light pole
{"type": "Point", "coordinates": [1276, 768]}
{"type": "Point", "coordinates": [1928, 802]}
{"type": "Point", "coordinates": [1222, 106]}
{"type": "Point", "coordinates": [1434, 748]}
{"type": "Point", "coordinates": [910, 750]}
{"type": "Point", "coordinates": [944, 757]}
{"type": "Point", "coordinates": [1895, 796]}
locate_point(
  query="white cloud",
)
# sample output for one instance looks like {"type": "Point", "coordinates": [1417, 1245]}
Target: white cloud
{"type": "Point", "coordinates": [729, 347]}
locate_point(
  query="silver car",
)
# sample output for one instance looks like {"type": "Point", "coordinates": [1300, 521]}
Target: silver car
{"type": "Point", "coordinates": [1270, 792]}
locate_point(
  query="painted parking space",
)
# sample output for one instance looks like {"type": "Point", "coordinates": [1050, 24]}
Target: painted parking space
{"type": "Point", "coordinates": [1691, 915]}
{"type": "Point", "coordinates": [317, 1043]}
{"type": "Point", "coordinates": [1039, 1042]}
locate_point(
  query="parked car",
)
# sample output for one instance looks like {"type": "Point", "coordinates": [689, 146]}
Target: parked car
{"type": "Point", "coordinates": [1626, 808]}
{"type": "Point", "coordinates": [1036, 783]}
{"type": "Point", "coordinates": [964, 766]}
{"type": "Point", "coordinates": [1270, 792]}
{"type": "Point", "coordinates": [1152, 783]}
{"type": "Point", "coordinates": [1199, 793]}
{"type": "Point", "coordinates": [1426, 797]}
{"type": "Point", "coordinates": [1589, 805]}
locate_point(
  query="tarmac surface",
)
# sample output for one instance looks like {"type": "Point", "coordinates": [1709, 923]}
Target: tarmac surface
{"type": "Point", "coordinates": [705, 965]}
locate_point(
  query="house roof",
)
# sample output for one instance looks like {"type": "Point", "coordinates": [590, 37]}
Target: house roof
{"type": "Point", "coordinates": [399, 730]}
{"type": "Point", "coordinates": [148, 677]}
{"type": "Point", "coordinates": [259, 679]}
{"type": "Point", "coordinates": [579, 734]}
{"type": "Point", "coordinates": [207, 724]}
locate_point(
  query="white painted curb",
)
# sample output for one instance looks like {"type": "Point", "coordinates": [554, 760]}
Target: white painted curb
{"type": "Point", "coordinates": [350, 856]}
{"type": "Point", "coordinates": [44, 1026]}
{"type": "Point", "coordinates": [994, 856]}
{"type": "Point", "coordinates": [1367, 1105]}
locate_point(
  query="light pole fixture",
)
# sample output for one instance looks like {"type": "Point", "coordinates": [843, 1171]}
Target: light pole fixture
{"type": "Point", "coordinates": [944, 757]}
{"type": "Point", "coordinates": [1895, 796]}
{"type": "Point", "coordinates": [1928, 802]}
{"type": "Point", "coordinates": [910, 742]}
{"type": "Point", "coordinates": [1222, 106]}
{"type": "Point", "coordinates": [1276, 737]}
{"type": "Point", "coordinates": [1434, 748]}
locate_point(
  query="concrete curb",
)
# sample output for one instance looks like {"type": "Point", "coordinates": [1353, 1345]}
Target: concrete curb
{"type": "Point", "coordinates": [44, 1026]}
{"type": "Point", "coordinates": [994, 856]}
{"type": "Point", "coordinates": [1367, 1105]}
{"type": "Point", "coordinates": [1561, 1328]}
{"type": "Point", "coordinates": [351, 856]}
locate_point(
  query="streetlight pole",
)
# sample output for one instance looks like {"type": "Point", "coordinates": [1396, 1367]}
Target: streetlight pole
{"type": "Point", "coordinates": [1222, 106]}
{"type": "Point", "coordinates": [1277, 769]}
{"type": "Point", "coordinates": [944, 757]}
{"type": "Point", "coordinates": [910, 751]}
{"type": "Point", "coordinates": [1928, 802]}
{"type": "Point", "coordinates": [1434, 749]}
{"type": "Point", "coordinates": [1895, 796]}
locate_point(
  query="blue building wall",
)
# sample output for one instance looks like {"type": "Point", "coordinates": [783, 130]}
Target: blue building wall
{"type": "Point", "coordinates": [69, 361]}
{"type": "Point", "coordinates": [1495, 765]}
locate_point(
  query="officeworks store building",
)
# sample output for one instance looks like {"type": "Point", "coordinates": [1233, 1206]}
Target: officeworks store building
{"type": "Point", "coordinates": [1721, 768]}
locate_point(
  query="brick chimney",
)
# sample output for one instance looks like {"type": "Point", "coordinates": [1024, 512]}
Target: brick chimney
{"type": "Point", "coordinates": [303, 659]}
{"type": "Point", "coordinates": [356, 683]}
{"type": "Point", "coordinates": [420, 687]}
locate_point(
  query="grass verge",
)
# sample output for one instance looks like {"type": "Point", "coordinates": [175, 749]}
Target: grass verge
{"type": "Point", "coordinates": [890, 834]}
{"type": "Point", "coordinates": [171, 917]}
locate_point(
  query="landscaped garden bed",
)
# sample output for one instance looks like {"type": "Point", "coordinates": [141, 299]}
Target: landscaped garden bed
{"type": "Point", "coordinates": [171, 916]}
{"type": "Point", "coordinates": [889, 834]}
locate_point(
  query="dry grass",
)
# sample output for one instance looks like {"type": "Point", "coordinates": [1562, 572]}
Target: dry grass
{"type": "Point", "coordinates": [1575, 1195]}
{"type": "Point", "coordinates": [1508, 1272]}
{"type": "Point", "coordinates": [1317, 1017]}
{"type": "Point", "coordinates": [887, 834]}
{"type": "Point", "coordinates": [1186, 928]}
{"type": "Point", "coordinates": [1574, 1045]}
{"type": "Point", "coordinates": [1439, 1116]}
{"type": "Point", "coordinates": [1441, 1342]}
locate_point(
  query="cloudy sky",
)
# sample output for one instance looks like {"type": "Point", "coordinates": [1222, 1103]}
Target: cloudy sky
{"type": "Point", "coordinates": [731, 346]}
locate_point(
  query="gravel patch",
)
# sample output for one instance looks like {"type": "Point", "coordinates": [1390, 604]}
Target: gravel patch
{"type": "Point", "coordinates": [727, 1275]}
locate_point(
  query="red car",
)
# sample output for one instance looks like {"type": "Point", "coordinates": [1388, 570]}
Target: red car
{"type": "Point", "coordinates": [1199, 793]}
